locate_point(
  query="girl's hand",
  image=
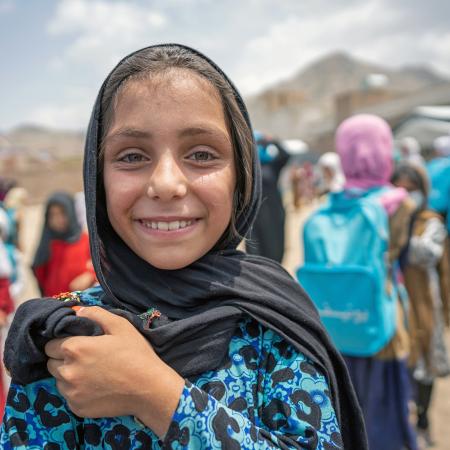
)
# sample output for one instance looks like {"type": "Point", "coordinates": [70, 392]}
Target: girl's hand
{"type": "Point", "coordinates": [115, 374]}
{"type": "Point", "coordinates": [3, 318]}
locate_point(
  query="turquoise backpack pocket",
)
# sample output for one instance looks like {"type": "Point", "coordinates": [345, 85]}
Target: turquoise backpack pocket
{"type": "Point", "coordinates": [352, 307]}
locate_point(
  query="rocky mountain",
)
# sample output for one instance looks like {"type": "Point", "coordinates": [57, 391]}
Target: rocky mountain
{"type": "Point", "coordinates": [301, 106]}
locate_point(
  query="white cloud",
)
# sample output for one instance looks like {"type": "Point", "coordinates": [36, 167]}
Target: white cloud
{"type": "Point", "coordinates": [71, 116]}
{"type": "Point", "coordinates": [103, 30]}
{"type": "Point", "coordinates": [437, 47]}
{"type": "Point", "coordinates": [71, 111]}
{"type": "Point", "coordinates": [102, 17]}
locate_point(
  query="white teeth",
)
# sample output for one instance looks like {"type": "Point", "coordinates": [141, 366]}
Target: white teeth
{"type": "Point", "coordinates": [167, 226]}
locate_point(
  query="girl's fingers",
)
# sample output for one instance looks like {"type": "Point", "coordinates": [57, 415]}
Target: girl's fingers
{"type": "Point", "coordinates": [54, 349]}
{"type": "Point", "coordinates": [54, 366]}
{"type": "Point", "coordinates": [63, 388]}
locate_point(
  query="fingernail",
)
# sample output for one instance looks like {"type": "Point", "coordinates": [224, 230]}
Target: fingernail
{"type": "Point", "coordinates": [77, 308]}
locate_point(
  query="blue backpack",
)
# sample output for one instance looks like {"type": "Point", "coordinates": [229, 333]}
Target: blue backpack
{"type": "Point", "coordinates": [439, 174]}
{"type": "Point", "coordinates": [345, 272]}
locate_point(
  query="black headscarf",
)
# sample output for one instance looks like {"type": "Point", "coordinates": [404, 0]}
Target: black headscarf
{"type": "Point", "coordinates": [203, 302]}
{"type": "Point", "coordinates": [71, 234]}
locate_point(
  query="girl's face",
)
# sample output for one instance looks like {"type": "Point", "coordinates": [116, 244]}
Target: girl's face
{"type": "Point", "coordinates": [406, 183]}
{"type": "Point", "coordinates": [57, 219]}
{"type": "Point", "coordinates": [169, 169]}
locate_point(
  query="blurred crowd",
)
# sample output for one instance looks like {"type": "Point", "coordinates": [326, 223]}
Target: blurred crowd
{"type": "Point", "coordinates": [375, 263]}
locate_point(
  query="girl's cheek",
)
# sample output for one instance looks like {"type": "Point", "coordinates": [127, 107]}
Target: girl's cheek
{"type": "Point", "coordinates": [119, 183]}
{"type": "Point", "coordinates": [216, 187]}
{"type": "Point", "coordinates": [222, 180]}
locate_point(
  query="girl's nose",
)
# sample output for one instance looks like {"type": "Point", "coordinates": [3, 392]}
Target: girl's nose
{"type": "Point", "coordinates": [167, 180]}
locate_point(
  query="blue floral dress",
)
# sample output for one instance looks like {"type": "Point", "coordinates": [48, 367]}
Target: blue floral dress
{"type": "Point", "coordinates": [266, 395]}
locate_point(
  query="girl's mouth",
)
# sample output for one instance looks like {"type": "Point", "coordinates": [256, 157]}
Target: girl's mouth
{"type": "Point", "coordinates": [165, 228]}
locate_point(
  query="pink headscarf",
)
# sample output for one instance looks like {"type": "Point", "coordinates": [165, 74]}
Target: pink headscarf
{"type": "Point", "coordinates": [364, 143]}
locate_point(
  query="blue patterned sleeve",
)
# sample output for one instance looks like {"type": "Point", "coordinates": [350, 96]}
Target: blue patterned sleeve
{"type": "Point", "coordinates": [35, 417]}
{"type": "Point", "coordinates": [293, 409]}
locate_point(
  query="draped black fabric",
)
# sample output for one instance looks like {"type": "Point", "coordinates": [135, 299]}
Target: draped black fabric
{"type": "Point", "coordinates": [202, 303]}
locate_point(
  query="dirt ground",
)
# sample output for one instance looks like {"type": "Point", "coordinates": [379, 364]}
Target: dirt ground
{"type": "Point", "coordinates": [441, 407]}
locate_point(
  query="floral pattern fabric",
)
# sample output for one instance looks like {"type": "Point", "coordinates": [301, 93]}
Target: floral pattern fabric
{"type": "Point", "coordinates": [266, 395]}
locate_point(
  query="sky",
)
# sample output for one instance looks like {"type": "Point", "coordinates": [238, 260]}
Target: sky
{"type": "Point", "coordinates": [56, 53]}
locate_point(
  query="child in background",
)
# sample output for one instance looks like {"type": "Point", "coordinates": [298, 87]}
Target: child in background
{"type": "Point", "coordinates": [6, 302]}
{"type": "Point", "coordinates": [267, 235]}
{"type": "Point", "coordinates": [365, 145]}
{"type": "Point", "coordinates": [427, 277]}
{"type": "Point", "coordinates": [62, 262]}
{"type": "Point", "coordinates": [332, 178]}
{"type": "Point", "coordinates": [13, 204]}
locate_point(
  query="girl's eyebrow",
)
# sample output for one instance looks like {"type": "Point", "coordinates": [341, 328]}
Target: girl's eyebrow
{"type": "Point", "coordinates": [186, 132]}
{"type": "Point", "coordinates": [195, 131]}
{"type": "Point", "coordinates": [129, 132]}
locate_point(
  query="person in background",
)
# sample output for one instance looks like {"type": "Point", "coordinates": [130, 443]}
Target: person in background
{"type": "Point", "coordinates": [365, 146]}
{"type": "Point", "coordinates": [409, 149]}
{"type": "Point", "coordinates": [13, 205]}
{"type": "Point", "coordinates": [331, 176]}
{"type": "Point", "coordinates": [62, 261]}
{"type": "Point", "coordinates": [427, 276]}
{"type": "Point", "coordinates": [5, 185]}
{"type": "Point", "coordinates": [267, 234]}
{"type": "Point", "coordinates": [438, 170]}
{"type": "Point", "coordinates": [6, 302]}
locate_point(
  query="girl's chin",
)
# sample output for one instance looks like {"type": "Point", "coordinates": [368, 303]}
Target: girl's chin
{"type": "Point", "coordinates": [165, 262]}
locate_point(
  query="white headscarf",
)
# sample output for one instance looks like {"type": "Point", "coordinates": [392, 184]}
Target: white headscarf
{"type": "Point", "coordinates": [331, 161]}
{"type": "Point", "coordinates": [442, 145]}
{"type": "Point", "coordinates": [410, 149]}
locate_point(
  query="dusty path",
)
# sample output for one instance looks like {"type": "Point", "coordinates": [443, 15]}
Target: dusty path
{"type": "Point", "coordinates": [441, 407]}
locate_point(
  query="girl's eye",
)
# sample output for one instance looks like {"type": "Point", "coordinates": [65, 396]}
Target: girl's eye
{"type": "Point", "coordinates": [202, 156]}
{"type": "Point", "coordinates": [132, 158]}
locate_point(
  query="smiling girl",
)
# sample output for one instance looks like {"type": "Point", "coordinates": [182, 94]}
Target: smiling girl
{"type": "Point", "coordinates": [187, 343]}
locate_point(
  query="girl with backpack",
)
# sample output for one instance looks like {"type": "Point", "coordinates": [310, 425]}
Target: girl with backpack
{"type": "Point", "coordinates": [187, 343]}
{"type": "Point", "coordinates": [351, 247]}
{"type": "Point", "coordinates": [427, 277]}
{"type": "Point", "coordinates": [62, 261]}
{"type": "Point", "coordinates": [365, 145]}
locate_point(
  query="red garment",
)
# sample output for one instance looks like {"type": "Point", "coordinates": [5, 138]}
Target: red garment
{"type": "Point", "coordinates": [6, 302]}
{"type": "Point", "coordinates": [7, 306]}
{"type": "Point", "coordinates": [66, 262]}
